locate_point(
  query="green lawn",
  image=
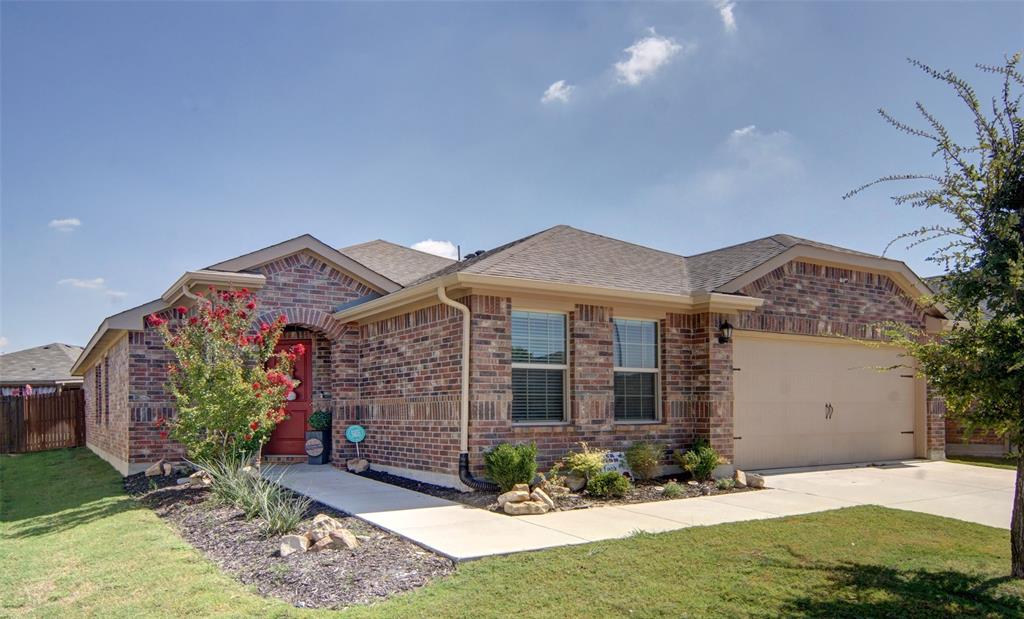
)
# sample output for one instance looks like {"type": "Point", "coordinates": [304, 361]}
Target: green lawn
{"type": "Point", "coordinates": [74, 545]}
{"type": "Point", "coordinates": [996, 462]}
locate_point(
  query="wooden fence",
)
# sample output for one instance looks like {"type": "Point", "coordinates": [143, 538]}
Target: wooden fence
{"type": "Point", "coordinates": [41, 422]}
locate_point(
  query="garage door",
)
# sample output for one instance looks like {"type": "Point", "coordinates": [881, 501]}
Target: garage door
{"type": "Point", "coordinates": [800, 402]}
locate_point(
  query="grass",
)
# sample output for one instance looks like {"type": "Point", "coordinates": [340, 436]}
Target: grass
{"type": "Point", "coordinates": [83, 548]}
{"type": "Point", "coordinates": [996, 462]}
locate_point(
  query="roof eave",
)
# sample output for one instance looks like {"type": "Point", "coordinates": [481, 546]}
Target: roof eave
{"type": "Point", "coordinates": [696, 302]}
{"type": "Point", "coordinates": [904, 275]}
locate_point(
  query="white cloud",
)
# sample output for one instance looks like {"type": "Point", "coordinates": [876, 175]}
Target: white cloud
{"type": "Point", "coordinates": [557, 92]}
{"type": "Point", "coordinates": [647, 55]}
{"type": "Point", "coordinates": [725, 8]}
{"type": "Point", "coordinates": [97, 283]}
{"type": "Point", "coordinates": [748, 167]}
{"type": "Point", "coordinates": [65, 225]}
{"type": "Point", "coordinates": [4, 342]}
{"type": "Point", "coordinates": [445, 249]}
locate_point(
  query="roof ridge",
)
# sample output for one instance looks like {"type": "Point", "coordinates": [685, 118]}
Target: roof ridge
{"type": "Point", "coordinates": [512, 248]}
{"type": "Point", "coordinates": [612, 238]}
{"type": "Point", "coordinates": [763, 238]}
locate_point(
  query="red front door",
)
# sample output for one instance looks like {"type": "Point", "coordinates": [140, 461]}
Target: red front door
{"type": "Point", "coordinates": [289, 437]}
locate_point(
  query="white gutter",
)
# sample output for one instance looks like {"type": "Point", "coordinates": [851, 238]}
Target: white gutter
{"type": "Point", "coordinates": [442, 296]}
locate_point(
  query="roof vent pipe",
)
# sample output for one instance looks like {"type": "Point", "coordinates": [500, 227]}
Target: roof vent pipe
{"type": "Point", "coordinates": [464, 475]}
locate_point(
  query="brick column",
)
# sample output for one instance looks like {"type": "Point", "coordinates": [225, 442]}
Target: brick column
{"type": "Point", "coordinates": [591, 368]}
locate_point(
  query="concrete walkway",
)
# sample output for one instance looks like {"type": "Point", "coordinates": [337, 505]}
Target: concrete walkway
{"type": "Point", "coordinates": [460, 532]}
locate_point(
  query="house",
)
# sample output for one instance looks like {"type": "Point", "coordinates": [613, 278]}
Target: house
{"type": "Point", "coordinates": [768, 349]}
{"type": "Point", "coordinates": [46, 369]}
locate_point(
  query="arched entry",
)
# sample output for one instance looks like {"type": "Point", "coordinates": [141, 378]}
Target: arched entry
{"type": "Point", "coordinates": [316, 331]}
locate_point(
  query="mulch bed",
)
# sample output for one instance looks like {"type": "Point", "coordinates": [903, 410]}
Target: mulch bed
{"type": "Point", "coordinates": [641, 492]}
{"type": "Point", "coordinates": [383, 564]}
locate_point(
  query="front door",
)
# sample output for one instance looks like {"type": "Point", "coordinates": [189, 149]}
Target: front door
{"type": "Point", "coordinates": [289, 437]}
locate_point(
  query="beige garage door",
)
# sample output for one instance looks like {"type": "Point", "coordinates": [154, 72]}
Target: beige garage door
{"type": "Point", "coordinates": [801, 402]}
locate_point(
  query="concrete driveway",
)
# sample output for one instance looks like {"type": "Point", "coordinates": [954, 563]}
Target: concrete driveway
{"type": "Point", "coordinates": [972, 493]}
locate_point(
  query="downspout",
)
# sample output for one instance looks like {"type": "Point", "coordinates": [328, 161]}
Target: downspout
{"type": "Point", "coordinates": [464, 475]}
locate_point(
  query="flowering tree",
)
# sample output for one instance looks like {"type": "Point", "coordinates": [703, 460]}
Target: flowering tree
{"type": "Point", "coordinates": [228, 383]}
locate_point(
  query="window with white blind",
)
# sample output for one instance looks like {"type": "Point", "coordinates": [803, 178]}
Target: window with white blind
{"type": "Point", "coordinates": [539, 367]}
{"type": "Point", "coordinates": [636, 370]}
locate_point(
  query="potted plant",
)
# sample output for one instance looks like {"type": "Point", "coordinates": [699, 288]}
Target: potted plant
{"type": "Point", "coordinates": [318, 440]}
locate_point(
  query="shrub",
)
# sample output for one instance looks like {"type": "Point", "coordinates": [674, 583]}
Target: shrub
{"type": "Point", "coordinates": [643, 459]}
{"type": "Point", "coordinates": [699, 461]}
{"type": "Point", "coordinates": [237, 483]}
{"type": "Point", "coordinates": [320, 421]}
{"type": "Point", "coordinates": [673, 490]}
{"type": "Point", "coordinates": [608, 484]}
{"type": "Point", "coordinates": [586, 462]}
{"type": "Point", "coordinates": [507, 464]}
{"type": "Point", "coordinates": [725, 484]}
{"type": "Point", "coordinates": [554, 476]}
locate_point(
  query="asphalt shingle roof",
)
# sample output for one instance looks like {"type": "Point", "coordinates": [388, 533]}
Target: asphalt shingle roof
{"type": "Point", "coordinates": [41, 364]}
{"type": "Point", "coordinates": [398, 263]}
{"type": "Point", "coordinates": [563, 254]}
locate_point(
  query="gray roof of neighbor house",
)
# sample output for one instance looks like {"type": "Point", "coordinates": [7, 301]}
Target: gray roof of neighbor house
{"type": "Point", "coordinates": [43, 364]}
{"type": "Point", "coordinates": [396, 262]}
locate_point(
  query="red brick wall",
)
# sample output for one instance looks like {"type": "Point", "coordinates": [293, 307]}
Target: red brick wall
{"type": "Point", "coordinates": [695, 382]}
{"type": "Point", "coordinates": [811, 299]}
{"type": "Point", "coordinates": [400, 379]}
{"type": "Point", "coordinates": [106, 402]}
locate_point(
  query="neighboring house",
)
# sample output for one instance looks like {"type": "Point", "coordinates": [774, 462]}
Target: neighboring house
{"type": "Point", "coordinates": [572, 336]}
{"type": "Point", "coordinates": [978, 443]}
{"type": "Point", "coordinates": [47, 369]}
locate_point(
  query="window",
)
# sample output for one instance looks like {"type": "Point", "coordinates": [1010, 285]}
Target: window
{"type": "Point", "coordinates": [106, 385]}
{"type": "Point", "coordinates": [636, 370]}
{"type": "Point", "coordinates": [538, 367]}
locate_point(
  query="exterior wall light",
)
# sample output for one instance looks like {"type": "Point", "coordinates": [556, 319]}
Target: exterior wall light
{"type": "Point", "coordinates": [726, 333]}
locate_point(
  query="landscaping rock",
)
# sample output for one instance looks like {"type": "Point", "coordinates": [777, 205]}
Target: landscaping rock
{"type": "Point", "coordinates": [250, 469]}
{"type": "Point", "coordinates": [740, 478]}
{"type": "Point", "coordinates": [294, 543]}
{"type": "Point", "coordinates": [755, 481]}
{"type": "Point", "coordinates": [169, 469]}
{"type": "Point", "coordinates": [513, 496]}
{"type": "Point", "coordinates": [540, 495]}
{"type": "Point", "coordinates": [357, 465]}
{"type": "Point", "coordinates": [344, 537]}
{"type": "Point", "coordinates": [156, 469]}
{"type": "Point", "coordinates": [526, 508]}
{"type": "Point", "coordinates": [521, 488]}
{"type": "Point", "coordinates": [575, 483]}
{"type": "Point", "coordinates": [185, 480]}
{"type": "Point", "coordinates": [202, 477]}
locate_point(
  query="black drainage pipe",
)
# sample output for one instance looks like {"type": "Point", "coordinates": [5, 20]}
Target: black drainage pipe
{"type": "Point", "coordinates": [467, 478]}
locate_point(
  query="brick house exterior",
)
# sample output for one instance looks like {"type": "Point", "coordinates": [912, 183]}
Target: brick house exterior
{"type": "Point", "coordinates": [387, 353]}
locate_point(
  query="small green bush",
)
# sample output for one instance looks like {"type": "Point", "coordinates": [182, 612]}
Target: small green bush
{"type": "Point", "coordinates": [672, 490]}
{"type": "Point", "coordinates": [236, 483]}
{"type": "Point", "coordinates": [643, 459]}
{"type": "Point", "coordinates": [320, 421]}
{"type": "Point", "coordinates": [586, 462]}
{"type": "Point", "coordinates": [725, 483]}
{"type": "Point", "coordinates": [608, 484]}
{"type": "Point", "coordinates": [699, 461]}
{"type": "Point", "coordinates": [507, 464]}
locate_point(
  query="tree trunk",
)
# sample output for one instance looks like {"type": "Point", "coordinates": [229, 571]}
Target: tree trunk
{"type": "Point", "coordinates": [1017, 524]}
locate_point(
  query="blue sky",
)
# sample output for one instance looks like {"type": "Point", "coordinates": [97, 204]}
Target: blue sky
{"type": "Point", "coordinates": [173, 136]}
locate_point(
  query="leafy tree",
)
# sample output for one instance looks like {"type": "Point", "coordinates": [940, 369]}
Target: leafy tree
{"type": "Point", "coordinates": [978, 364]}
{"type": "Point", "coordinates": [228, 383]}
